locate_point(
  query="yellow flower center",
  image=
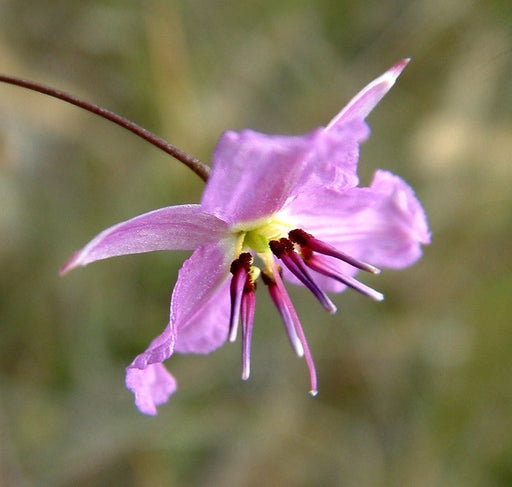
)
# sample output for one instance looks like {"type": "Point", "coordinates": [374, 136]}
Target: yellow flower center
{"type": "Point", "coordinates": [255, 237]}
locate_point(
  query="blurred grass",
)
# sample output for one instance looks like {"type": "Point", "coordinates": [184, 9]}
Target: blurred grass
{"type": "Point", "coordinates": [414, 391]}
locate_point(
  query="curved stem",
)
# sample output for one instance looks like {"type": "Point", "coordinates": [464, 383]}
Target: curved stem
{"type": "Point", "coordinates": [201, 169]}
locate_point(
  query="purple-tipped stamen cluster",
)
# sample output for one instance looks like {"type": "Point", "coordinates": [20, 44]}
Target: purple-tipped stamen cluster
{"type": "Point", "coordinates": [296, 252]}
{"type": "Point", "coordinates": [309, 245]}
{"type": "Point", "coordinates": [243, 305]}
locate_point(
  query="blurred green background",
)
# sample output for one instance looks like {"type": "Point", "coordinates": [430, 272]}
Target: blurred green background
{"type": "Point", "coordinates": [415, 391]}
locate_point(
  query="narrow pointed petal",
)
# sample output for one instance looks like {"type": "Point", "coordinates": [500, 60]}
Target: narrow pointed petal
{"type": "Point", "coordinates": [173, 228]}
{"type": "Point", "coordinates": [200, 303]}
{"type": "Point", "coordinates": [335, 154]}
{"type": "Point", "coordinates": [365, 101]}
{"type": "Point", "coordinates": [152, 386]}
{"type": "Point", "coordinates": [253, 174]}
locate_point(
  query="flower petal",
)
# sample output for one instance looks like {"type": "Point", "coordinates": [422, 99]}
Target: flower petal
{"type": "Point", "coordinates": [403, 224]}
{"type": "Point", "coordinates": [200, 303]}
{"type": "Point", "coordinates": [383, 225]}
{"type": "Point", "coordinates": [152, 386]}
{"type": "Point", "coordinates": [160, 349]}
{"type": "Point", "coordinates": [253, 173]}
{"type": "Point", "coordinates": [173, 228]}
{"type": "Point", "coordinates": [198, 323]}
{"type": "Point", "coordinates": [334, 157]}
{"type": "Point", "coordinates": [332, 162]}
{"type": "Point", "coordinates": [147, 378]}
{"type": "Point", "coordinates": [364, 102]}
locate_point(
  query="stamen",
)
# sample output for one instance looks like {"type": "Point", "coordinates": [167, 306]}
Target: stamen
{"type": "Point", "coordinates": [284, 305]}
{"type": "Point", "coordinates": [243, 305]}
{"type": "Point", "coordinates": [248, 307]}
{"type": "Point", "coordinates": [283, 311]}
{"type": "Point", "coordinates": [317, 263]}
{"type": "Point", "coordinates": [236, 290]}
{"type": "Point", "coordinates": [284, 250]}
{"type": "Point", "coordinates": [306, 240]}
{"type": "Point", "coordinates": [240, 268]}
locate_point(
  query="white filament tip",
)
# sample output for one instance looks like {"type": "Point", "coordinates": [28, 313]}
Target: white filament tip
{"type": "Point", "coordinates": [246, 373]}
{"type": "Point", "coordinates": [378, 296]}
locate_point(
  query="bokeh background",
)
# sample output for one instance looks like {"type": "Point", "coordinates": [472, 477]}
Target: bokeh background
{"type": "Point", "coordinates": [414, 391]}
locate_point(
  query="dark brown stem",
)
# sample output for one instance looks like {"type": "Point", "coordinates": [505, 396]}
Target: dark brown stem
{"type": "Point", "coordinates": [201, 169]}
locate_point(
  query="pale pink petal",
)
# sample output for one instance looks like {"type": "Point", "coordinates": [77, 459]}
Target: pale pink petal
{"type": "Point", "coordinates": [160, 349]}
{"type": "Point", "coordinates": [207, 329]}
{"type": "Point", "coordinates": [152, 386]}
{"type": "Point", "coordinates": [335, 154]}
{"type": "Point", "coordinates": [173, 228]}
{"type": "Point", "coordinates": [147, 378]}
{"type": "Point", "coordinates": [403, 224]}
{"type": "Point", "coordinates": [200, 303]}
{"type": "Point", "coordinates": [253, 174]}
{"type": "Point", "coordinates": [332, 161]}
{"type": "Point", "coordinates": [383, 225]}
{"type": "Point", "coordinates": [365, 101]}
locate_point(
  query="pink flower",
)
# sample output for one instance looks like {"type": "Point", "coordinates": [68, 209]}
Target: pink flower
{"type": "Point", "coordinates": [283, 208]}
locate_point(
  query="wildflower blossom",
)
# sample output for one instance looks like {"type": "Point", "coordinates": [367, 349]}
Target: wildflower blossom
{"type": "Point", "coordinates": [275, 209]}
